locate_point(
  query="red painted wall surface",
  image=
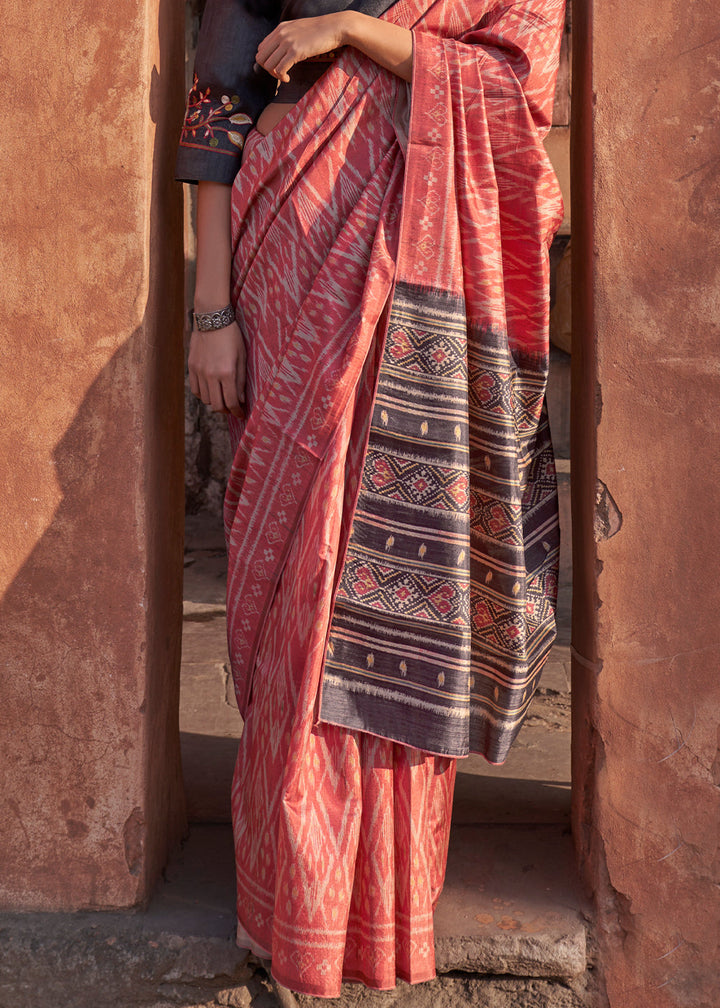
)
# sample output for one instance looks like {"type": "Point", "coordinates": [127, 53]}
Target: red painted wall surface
{"type": "Point", "coordinates": [646, 359]}
{"type": "Point", "coordinates": [90, 452]}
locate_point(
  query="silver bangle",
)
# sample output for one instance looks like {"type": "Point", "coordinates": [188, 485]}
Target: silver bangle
{"type": "Point", "coordinates": [214, 320]}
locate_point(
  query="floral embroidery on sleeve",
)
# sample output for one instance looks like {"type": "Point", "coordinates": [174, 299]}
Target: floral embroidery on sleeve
{"type": "Point", "coordinates": [206, 117]}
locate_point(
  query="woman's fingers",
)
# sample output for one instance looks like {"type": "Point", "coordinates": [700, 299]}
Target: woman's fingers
{"type": "Point", "coordinates": [230, 396]}
{"type": "Point", "coordinates": [216, 363]}
{"type": "Point", "coordinates": [271, 57]}
{"type": "Point", "coordinates": [239, 385]}
{"type": "Point", "coordinates": [217, 402]}
{"type": "Point", "coordinates": [293, 41]}
{"type": "Point", "coordinates": [203, 391]}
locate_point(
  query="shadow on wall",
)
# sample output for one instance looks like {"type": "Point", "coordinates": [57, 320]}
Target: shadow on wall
{"type": "Point", "coordinates": [90, 627]}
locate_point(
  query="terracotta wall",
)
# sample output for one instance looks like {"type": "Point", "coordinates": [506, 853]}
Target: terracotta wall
{"type": "Point", "coordinates": [646, 469]}
{"type": "Point", "coordinates": [91, 452]}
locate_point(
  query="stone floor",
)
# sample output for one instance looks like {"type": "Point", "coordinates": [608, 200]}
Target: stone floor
{"type": "Point", "coordinates": [509, 908]}
{"type": "Point", "coordinates": [511, 929]}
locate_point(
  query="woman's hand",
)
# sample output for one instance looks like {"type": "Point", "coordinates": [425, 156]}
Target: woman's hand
{"type": "Point", "coordinates": [293, 41]}
{"type": "Point", "coordinates": [216, 363]}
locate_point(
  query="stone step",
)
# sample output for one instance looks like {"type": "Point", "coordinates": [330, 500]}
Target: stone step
{"type": "Point", "coordinates": [507, 908]}
{"type": "Point", "coordinates": [510, 905]}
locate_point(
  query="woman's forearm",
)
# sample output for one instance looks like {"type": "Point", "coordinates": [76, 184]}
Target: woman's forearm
{"type": "Point", "coordinates": [216, 358]}
{"type": "Point", "coordinates": [388, 44]}
{"type": "Point", "coordinates": [212, 283]}
{"type": "Point", "coordinates": [292, 41]}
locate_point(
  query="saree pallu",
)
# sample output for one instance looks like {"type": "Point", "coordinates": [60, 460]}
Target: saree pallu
{"type": "Point", "coordinates": [390, 275]}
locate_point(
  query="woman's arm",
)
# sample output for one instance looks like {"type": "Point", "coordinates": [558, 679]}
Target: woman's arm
{"type": "Point", "coordinates": [292, 41]}
{"type": "Point", "coordinates": [216, 361]}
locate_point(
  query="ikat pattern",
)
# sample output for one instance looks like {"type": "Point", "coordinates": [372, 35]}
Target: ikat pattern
{"type": "Point", "coordinates": [378, 284]}
{"type": "Point", "coordinates": [470, 488]}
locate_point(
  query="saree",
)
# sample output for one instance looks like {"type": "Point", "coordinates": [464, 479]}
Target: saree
{"type": "Point", "coordinates": [390, 517]}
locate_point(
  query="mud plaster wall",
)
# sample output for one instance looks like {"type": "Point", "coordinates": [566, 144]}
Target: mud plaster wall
{"type": "Point", "coordinates": [646, 236]}
{"type": "Point", "coordinates": [91, 453]}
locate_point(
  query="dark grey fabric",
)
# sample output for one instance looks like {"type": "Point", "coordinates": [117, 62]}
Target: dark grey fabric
{"type": "Point", "coordinates": [226, 86]}
{"type": "Point", "coordinates": [230, 90]}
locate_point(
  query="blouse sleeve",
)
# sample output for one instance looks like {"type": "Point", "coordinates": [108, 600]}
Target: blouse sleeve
{"type": "Point", "coordinates": [227, 94]}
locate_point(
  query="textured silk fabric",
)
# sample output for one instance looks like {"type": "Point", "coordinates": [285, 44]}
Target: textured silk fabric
{"type": "Point", "coordinates": [460, 234]}
{"type": "Point", "coordinates": [341, 835]}
{"type": "Point", "coordinates": [445, 611]}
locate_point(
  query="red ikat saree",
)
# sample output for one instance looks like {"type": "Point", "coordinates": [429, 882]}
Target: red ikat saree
{"type": "Point", "coordinates": [391, 513]}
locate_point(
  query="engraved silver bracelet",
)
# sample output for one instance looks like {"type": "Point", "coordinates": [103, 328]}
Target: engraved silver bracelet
{"type": "Point", "coordinates": [214, 320]}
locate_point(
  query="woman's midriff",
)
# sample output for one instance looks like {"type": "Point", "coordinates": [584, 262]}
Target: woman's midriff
{"type": "Point", "coordinates": [271, 116]}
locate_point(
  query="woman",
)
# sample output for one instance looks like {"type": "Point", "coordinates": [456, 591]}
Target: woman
{"type": "Point", "coordinates": [391, 514]}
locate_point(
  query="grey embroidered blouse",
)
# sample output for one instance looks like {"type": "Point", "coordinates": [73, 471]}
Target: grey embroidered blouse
{"type": "Point", "coordinates": [229, 90]}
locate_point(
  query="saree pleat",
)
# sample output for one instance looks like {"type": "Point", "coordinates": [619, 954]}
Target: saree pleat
{"type": "Point", "coordinates": [343, 256]}
{"type": "Point", "coordinates": [340, 837]}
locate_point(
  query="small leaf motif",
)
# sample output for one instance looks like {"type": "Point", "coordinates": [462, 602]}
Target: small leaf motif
{"type": "Point", "coordinates": [236, 138]}
{"type": "Point", "coordinates": [403, 668]}
{"type": "Point", "coordinates": [424, 427]}
{"type": "Point", "coordinates": [441, 679]}
{"type": "Point", "coordinates": [422, 551]}
{"type": "Point", "coordinates": [389, 542]}
{"type": "Point", "coordinates": [458, 433]}
{"type": "Point", "coordinates": [516, 588]}
{"type": "Point", "coordinates": [240, 119]}
{"type": "Point", "coordinates": [370, 660]}
{"type": "Point", "coordinates": [488, 463]}
{"type": "Point", "coordinates": [488, 577]}
{"type": "Point", "coordinates": [384, 417]}
{"type": "Point", "coordinates": [461, 557]}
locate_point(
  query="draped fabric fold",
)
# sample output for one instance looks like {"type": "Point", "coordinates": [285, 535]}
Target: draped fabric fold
{"type": "Point", "coordinates": [391, 513]}
{"type": "Point", "coordinates": [444, 609]}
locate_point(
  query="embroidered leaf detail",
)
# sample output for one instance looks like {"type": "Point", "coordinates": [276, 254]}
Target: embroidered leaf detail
{"type": "Point", "coordinates": [240, 119]}
{"type": "Point", "coordinates": [236, 138]}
